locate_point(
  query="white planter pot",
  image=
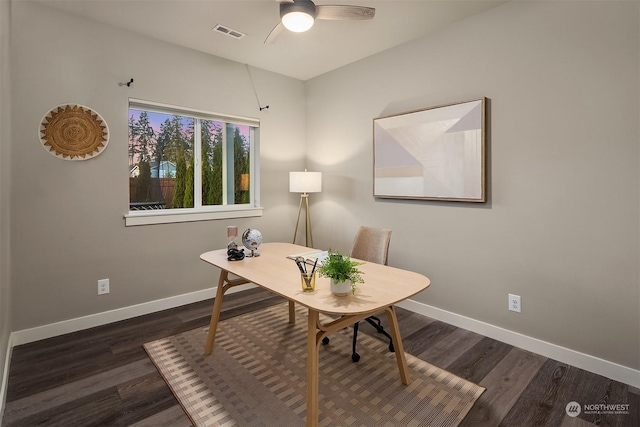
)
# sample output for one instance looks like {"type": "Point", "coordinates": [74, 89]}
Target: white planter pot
{"type": "Point", "coordinates": [341, 289]}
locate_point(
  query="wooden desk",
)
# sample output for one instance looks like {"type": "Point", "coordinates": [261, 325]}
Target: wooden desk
{"type": "Point", "coordinates": [384, 286]}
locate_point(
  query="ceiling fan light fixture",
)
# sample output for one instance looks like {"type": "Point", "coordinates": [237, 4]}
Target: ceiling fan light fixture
{"type": "Point", "coordinates": [298, 22]}
{"type": "Point", "coordinates": [298, 16]}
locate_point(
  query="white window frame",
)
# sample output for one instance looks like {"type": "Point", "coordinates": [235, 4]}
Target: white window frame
{"type": "Point", "coordinates": [204, 213]}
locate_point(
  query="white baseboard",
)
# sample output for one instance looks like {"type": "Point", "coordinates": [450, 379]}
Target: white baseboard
{"type": "Point", "coordinates": [575, 358]}
{"type": "Point", "coordinates": [73, 325]}
{"type": "Point", "coordinates": [580, 360]}
{"type": "Point", "coordinates": [5, 376]}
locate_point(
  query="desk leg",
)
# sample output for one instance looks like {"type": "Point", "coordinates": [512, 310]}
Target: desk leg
{"type": "Point", "coordinates": [215, 314]}
{"type": "Point", "coordinates": [313, 355]}
{"type": "Point", "coordinates": [292, 312]}
{"type": "Point", "coordinates": [397, 344]}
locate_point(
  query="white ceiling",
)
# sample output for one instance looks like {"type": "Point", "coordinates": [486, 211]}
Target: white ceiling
{"type": "Point", "coordinates": [327, 46]}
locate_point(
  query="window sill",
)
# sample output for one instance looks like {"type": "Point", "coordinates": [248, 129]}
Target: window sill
{"type": "Point", "coordinates": [188, 215]}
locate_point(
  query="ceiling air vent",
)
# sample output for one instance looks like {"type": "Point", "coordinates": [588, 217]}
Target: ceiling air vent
{"type": "Point", "coordinates": [228, 31]}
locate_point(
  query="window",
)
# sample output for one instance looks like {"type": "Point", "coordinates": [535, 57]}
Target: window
{"type": "Point", "coordinates": [188, 165]}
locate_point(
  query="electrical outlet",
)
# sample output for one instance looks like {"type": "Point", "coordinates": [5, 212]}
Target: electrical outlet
{"type": "Point", "coordinates": [103, 286]}
{"type": "Point", "coordinates": [514, 303]}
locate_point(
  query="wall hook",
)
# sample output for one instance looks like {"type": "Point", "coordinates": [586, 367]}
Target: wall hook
{"type": "Point", "coordinates": [128, 84]}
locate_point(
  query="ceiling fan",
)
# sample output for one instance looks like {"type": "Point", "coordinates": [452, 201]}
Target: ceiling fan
{"type": "Point", "coordinates": [299, 15]}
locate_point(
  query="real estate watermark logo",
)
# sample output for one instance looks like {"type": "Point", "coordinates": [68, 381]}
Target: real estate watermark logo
{"type": "Point", "coordinates": [574, 409]}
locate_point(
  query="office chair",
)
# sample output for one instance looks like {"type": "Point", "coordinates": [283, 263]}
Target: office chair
{"type": "Point", "coordinates": [372, 245]}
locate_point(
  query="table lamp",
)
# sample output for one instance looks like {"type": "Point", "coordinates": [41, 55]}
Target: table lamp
{"type": "Point", "coordinates": [305, 182]}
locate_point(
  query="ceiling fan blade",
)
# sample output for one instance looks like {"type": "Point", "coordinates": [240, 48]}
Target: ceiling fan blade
{"type": "Point", "coordinates": [274, 33]}
{"type": "Point", "coordinates": [344, 12]}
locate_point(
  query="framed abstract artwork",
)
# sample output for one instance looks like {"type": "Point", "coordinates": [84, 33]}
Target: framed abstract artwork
{"type": "Point", "coordinates": [437, 153]}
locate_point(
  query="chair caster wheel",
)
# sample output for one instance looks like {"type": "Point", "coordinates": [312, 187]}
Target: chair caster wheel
{"type": "Point", "coordinates": [391, 348]}
{"type": "Point", "coordinates": [325, 340]}
{"type": "Point", "coordinates": [355, 357]}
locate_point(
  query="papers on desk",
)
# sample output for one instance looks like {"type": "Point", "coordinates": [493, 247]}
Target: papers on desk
{"type": "Point", "coordinates": [311, 257]}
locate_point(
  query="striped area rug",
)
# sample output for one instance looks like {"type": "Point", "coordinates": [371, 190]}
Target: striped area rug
{"type": "Point", "coordinates": [256, 376]}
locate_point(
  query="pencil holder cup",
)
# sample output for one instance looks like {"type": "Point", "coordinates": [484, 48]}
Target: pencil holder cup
{"type": "Point", "coordinates": [308, 281]}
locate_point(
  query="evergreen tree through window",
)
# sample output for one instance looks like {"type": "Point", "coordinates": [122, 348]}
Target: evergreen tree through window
{"type": "Point", "coordinates": [179, 160]}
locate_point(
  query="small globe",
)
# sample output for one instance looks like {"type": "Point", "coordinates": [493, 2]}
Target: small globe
{"type": "Point", "coordinates": [251, 239]}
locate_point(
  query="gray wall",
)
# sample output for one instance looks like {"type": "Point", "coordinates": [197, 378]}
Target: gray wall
{"type": "Point", "coordinates": [67, 217]}
{"type": "Point", "coordinates": [561, 225]}
{"type": "Point", "coordinates": [5, 136]}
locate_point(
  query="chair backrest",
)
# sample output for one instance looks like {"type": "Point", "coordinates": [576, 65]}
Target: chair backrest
{"type": "Point", "coordinates": [371, 244]}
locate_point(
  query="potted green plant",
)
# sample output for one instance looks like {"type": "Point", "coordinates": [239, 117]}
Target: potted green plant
{"type": "Point", "coordinates": [342, 271]}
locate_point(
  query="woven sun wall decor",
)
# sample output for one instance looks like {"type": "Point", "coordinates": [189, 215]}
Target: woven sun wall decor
{"type": "Point", "coordinates": [74, 132]}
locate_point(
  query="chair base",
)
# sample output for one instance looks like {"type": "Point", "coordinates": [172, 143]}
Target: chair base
{"type": "Point", "coordinates": [373, 321]}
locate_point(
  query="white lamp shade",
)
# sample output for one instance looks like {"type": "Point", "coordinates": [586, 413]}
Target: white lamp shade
{"type": "Point", "coordinates": [297, 22]}
{"type": "Point", "coordinates": [305, 182]}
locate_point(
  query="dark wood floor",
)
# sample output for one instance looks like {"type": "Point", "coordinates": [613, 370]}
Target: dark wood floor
{"type": "Point", "coordinates": [103, 377]}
